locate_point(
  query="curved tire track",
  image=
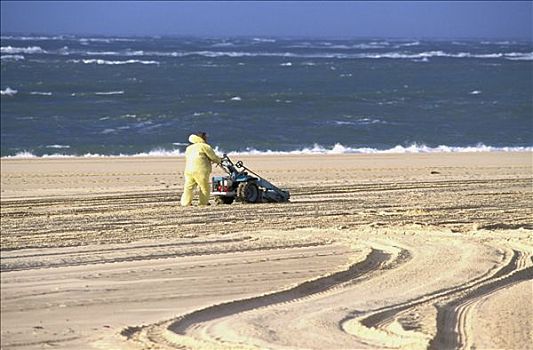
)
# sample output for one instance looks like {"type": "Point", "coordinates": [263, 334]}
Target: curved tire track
{"type": "Point", "coordinates": [172, 332]}
{"type": "Point", "coordinates": [452, 316]}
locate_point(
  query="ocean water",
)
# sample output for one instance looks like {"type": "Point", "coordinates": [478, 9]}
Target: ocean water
{"type": "Point", "coordinates": [90, 96]}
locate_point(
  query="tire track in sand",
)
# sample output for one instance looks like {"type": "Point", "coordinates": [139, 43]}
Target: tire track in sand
{"type": "Point", "coordinates": [383, 328]}
{"type": "Point", "coordinates": [454, 317]}
{"type": "Point", "coordinates": [173, 333]}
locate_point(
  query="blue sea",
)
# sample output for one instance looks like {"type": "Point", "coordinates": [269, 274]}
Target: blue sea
{"type": "Point", "coordinates": [130, 96]}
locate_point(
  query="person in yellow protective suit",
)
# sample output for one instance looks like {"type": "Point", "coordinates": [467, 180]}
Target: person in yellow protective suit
{"type": "Point", "coordinates": [198, 158]}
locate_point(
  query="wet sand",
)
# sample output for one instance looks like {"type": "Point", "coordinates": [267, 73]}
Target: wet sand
{"type": "Point", "coordinates": [409, 251]}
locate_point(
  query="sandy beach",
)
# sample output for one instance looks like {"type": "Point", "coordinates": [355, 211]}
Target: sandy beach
{"type": "Point", "coordinates": [374, 251]}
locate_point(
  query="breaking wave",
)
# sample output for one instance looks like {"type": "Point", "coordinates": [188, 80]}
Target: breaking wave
{"type": "Point", "coordinates": [237, 54]}
{"type": "Point", "coordinates": [41, 93]}
{"type": "Point", "coordinates": [109, 92]}
{"type": "Point", "coordinates": [8, 92]}
{"type": "Point", "coordinates": [27, 50]}
{"type": "Point", "coordinates": [58, 146]}
{"type": "Point", "coordinates": [66, 37]}
{"type": "Point", "coordinates": [517, 56]}
{"type": "Point", "coordinates": [264, 40]}
{"type": "Point", "coordinates": [414, 148]}
{"type": "Point", "coordinates": [100, 61]}
{"type": "Point", "coordinates": [11, 57]}
{"type": "Point", "coordinates": [29, 38]}
{"type": "Point", "coordinates": [360, 121]}
{"type": "Point", "coordinates": [105, 40]}
{"type": "Point", "coordinates": [315, 150]}
{"type": "Point", "coordinates": [390, 55]}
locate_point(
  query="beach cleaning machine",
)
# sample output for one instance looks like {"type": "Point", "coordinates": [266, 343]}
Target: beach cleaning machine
{"type": "Point", "coordinates": [239, 185]}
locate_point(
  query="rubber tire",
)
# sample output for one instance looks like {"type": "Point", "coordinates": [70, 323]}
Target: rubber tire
{"type": "Point", "coordinates": [248, 192]}
{"type": "Point", "coordinates": [224, 200]}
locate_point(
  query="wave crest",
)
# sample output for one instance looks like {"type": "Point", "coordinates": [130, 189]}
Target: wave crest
{"type": "Point", "coordinates": [525, 56]}
{"type": "Point", "coordinates": [414, 148]}
{"type": "Point", "coordinates": [27, 50]}
{"type": "Point", "coordinates": [100, 61]}
{"type": "Point", "coordinates": [315, 150]}
{"type": "Point", "coordinates": [11, 57]}
{"type": "Point", "coordinates": [8, 92]}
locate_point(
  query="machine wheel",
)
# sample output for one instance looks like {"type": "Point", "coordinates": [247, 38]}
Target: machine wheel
{"type": "Point", "coordinates": [224, 200]}
{"type": "Point", "coordinates": [248, 192]}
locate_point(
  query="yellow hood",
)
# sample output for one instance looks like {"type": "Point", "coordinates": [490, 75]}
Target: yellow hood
{"type": "Point", "coordinates": [196, 139]}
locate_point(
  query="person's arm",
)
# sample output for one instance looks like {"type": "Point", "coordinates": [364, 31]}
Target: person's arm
{"type": "Point", "coordinates": [211, 154]}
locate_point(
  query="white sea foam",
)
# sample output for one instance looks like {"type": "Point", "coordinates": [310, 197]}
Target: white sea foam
{"type": "Point", "coordinates": [104, 53]}
{"type": "Point", "coordinates": [209, 65]}
{"type": "Point", "coordinates": [8, 92]}
{"type": "Point", "coordinates": [498, 42]}
{"type": "Point", "coordinates": [100, 61]}
{"type": "Point", "coordinates": [22, 155]}
{"type": "Point", "coordinates": [414, 148]}
{"type": "Point", "coordinates": [387, 55]}
{"type": "Point", "coordinates": [11, 57]}
{"type": "Point", "coordinates": [360, 121]}
{"type": "Point", "coordinates": [27, 50]}
{"type": "Point", "coordinates": [160, 152]}
{"type": "Point", "coordinates": [58, 146]}
{"type": "Point", "coordinates": [520, 56]}
{"type": "Point", "coordinates": [236, 98]}
{"type": "Point", "coordinates": [104, 40]}
{"type": "Point", "coordinates": [41, 93]}
{"type": "Point", "coordinates": [109, 93]}
{"type": "Point", "coordinates": [32, 38]}
{"type": "Point", "coordinates": [413, 43]}
{"type": "Point", "coordinates": [264, 40]}
{"type": "Point", "coordinates": [315, 150]}
{"type": "Point", "coordinates": [430, 54]}
{"type": "Point", "coordinates": [237, 54]}
{"type": "Point", "coordinates": [286, 64]}
{"type": "Point", "coordinates": [208, 113]}
{"type": "Point", "coordinates": [475, 92]}
{"type": "Point", "coordinates": [111, 53]}
{"type": "Point", "coordinates": [329, 45]}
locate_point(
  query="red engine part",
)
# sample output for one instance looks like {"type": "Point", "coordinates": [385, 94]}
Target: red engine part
{"type": "Point", "coordinates": [221, 188]}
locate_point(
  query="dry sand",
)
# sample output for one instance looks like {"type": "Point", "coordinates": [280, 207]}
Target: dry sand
{"type": "Point", "coordinates": [373, 251]}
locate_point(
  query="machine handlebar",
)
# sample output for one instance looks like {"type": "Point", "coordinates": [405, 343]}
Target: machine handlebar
{"type": "Point", "coordinates": [229, 166]}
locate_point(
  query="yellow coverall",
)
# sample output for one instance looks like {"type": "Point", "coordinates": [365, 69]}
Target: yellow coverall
{"type": "Point", "coordinates": [198, 158]}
